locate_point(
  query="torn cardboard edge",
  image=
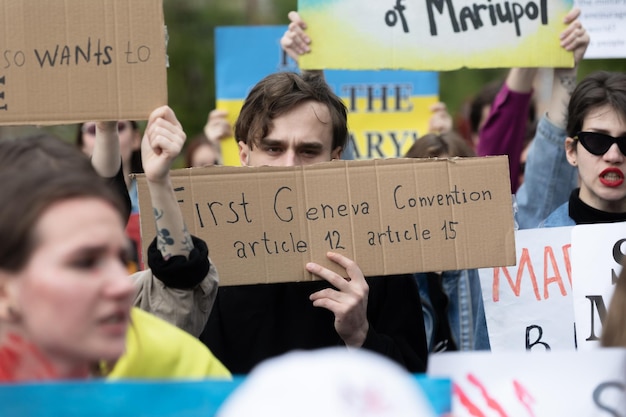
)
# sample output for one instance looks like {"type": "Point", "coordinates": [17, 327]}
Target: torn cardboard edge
{"type": "Point", "coordinates": [393, 216]}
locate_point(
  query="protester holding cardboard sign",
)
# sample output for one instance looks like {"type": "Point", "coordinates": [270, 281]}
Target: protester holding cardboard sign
{"type": "Point", "coordinates": [451, 301]}
{"type": "Point", "coordinates": [65, 296]}
{"type": "Point", "coordinates": [288, 120]}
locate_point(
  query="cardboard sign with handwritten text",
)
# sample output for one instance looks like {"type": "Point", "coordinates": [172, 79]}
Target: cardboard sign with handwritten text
{"type": "Point", "coordinates": [434, 34]}
{"type": "Point", "coordinates": [64, 61]}
{"type": "Point", "coordinates": [390, 216]}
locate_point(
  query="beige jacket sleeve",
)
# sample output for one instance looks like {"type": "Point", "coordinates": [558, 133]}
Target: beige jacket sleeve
{"type": "Point", "coordinates": [187, 309]}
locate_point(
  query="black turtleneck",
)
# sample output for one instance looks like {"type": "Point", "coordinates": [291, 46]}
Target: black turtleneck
{"type": "Point", "coordinates": [582, 213]}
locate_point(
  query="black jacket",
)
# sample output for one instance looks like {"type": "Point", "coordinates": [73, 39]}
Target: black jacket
{"type": "Point", "coordinates": [251, 323]}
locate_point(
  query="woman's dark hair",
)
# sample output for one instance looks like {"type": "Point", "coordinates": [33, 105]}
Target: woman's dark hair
{"type": "Point", "coordinates": [595, 90]}
{"type": "Point", "coordinates": [36, 172]}
{"type": "Point", "coordinates": [434, 145]}
{"type": "Point", "coordinates": [280, 92]}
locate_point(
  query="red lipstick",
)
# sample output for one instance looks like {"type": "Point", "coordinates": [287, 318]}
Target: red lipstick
{"type": "Point", "coordinates": [612, 177]}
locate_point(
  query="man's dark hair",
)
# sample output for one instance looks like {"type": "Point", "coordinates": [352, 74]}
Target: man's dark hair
{"type": "Point", "coordinates": [280, 92]}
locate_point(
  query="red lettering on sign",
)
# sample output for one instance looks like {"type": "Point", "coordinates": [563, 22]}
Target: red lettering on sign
{"type": "Point", "coordinates": [551, 273]}
{"type": "Point", "coordinates": [524, 262]}
{"type": "Point", "coordinates": [548, 259]}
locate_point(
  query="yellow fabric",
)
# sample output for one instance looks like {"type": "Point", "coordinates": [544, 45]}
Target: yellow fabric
{"type": "Point", "coordinates": [156, 349]}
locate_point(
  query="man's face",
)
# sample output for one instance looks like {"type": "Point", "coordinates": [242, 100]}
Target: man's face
{"type": "Point", "coordinates": [302, 136]}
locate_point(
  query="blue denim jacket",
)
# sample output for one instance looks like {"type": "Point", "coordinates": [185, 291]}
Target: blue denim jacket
{"type": "Point", "coordinates": [548, 178]}
{"type": "Point", "coordinates": [466, 313]}
{"type": "Point", "coordinates": [559, 217]}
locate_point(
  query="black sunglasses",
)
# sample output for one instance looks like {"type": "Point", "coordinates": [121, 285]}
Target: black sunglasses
{"type": "Point", "coordinates": [598, 143]}
{"type": "Point", "coordinates": [90, 129]}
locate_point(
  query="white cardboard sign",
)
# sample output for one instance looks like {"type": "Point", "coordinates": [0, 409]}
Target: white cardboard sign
{"type": "Point", "coordinates": [597, 253]}
{"type": "Point", "coordinates": [529, 306]}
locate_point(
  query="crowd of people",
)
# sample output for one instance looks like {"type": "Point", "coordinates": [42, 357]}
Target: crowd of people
{"type": "Point", "coordinates": [68, 308]}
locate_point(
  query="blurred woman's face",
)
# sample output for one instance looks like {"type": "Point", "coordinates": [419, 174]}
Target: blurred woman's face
{"type": "Point", "coordinates": [204, 156]}
{"type": "Point", "coordinates": [130, 139]}
{"type": "Point", "coordinates": [602, 184]}
{"type": "Point", "coordinates": [73, 297]}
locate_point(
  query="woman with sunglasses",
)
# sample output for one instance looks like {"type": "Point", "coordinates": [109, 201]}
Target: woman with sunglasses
{"type": "Point", "coordinates": [596, 146]}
